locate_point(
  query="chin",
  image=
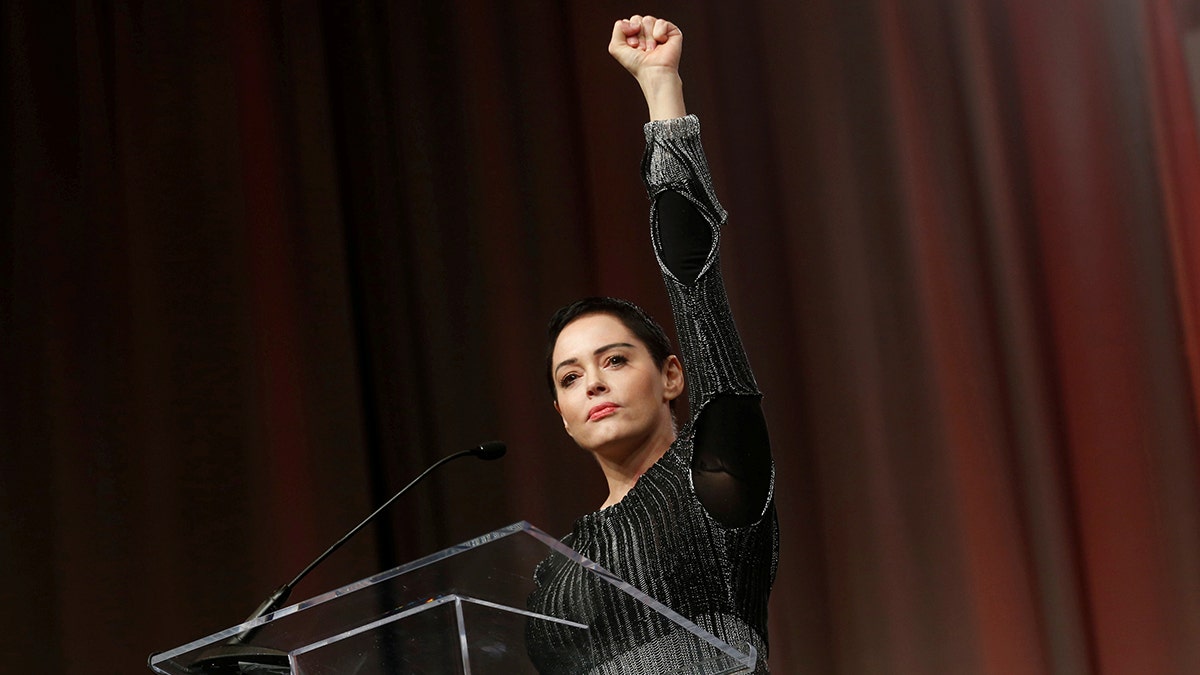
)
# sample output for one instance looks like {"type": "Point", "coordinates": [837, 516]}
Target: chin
{"type": "Point", "coordinates": [612, 445]}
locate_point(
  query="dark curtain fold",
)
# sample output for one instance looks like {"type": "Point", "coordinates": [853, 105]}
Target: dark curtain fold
{"type": "Point", "coordinates": [263, 262]}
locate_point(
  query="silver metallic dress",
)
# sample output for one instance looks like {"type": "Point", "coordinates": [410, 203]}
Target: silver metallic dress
{"type": "Point", "coordinates": [660, 538]}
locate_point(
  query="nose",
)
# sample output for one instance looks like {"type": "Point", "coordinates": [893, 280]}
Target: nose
{"type": "Point", "coordinates": [596, 385]}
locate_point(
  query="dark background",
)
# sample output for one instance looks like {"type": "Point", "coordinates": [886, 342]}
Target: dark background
{"type": "Point", "coordinates": [262, 262]}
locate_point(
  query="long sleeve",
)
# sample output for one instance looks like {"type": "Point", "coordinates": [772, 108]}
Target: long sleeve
{"type": "Point", "coordinates": [731, 455]}
{"type": "Point", "coordinates": [712, 351]}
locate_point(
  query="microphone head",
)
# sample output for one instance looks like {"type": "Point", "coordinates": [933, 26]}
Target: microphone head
{"type": "Point", "coordinates": [490, 450]}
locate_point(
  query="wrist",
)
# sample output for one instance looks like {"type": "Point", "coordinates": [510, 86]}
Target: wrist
{"type": "Point", "coordinates": [663, 91]}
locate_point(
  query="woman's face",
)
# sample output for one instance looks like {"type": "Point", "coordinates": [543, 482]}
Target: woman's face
{"type": "Point", "coordinates": [612, 398]}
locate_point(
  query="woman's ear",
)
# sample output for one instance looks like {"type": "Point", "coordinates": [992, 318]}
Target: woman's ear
{"type": "Point", "coordinates": [559, 411]}
{"type": "Point", "coordinates": [672, 373]}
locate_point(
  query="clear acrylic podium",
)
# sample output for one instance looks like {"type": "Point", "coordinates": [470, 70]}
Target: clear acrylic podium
{"type": "Point", "coordinates": [461, 610]}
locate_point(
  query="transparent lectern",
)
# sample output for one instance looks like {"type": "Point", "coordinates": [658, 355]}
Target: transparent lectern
{"type": "Point", "coordinates": [462, 610]}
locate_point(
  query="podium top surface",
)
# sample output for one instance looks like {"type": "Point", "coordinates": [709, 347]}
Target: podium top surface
{"type": "Point", "coordinates": [465, 609]}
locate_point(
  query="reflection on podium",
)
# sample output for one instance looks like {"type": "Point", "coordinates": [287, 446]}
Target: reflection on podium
{"type": "Point", "coordinates": [462, 610]}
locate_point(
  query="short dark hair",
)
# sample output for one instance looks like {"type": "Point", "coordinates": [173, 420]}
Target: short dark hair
{"type": "Point", "coordinates": [633, 317]}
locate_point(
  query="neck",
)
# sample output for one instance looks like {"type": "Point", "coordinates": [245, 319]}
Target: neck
{"type": "Point", "coordinates": [622, 472]}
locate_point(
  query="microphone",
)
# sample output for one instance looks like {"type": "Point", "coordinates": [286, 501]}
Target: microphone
{"type": "Point", "coordinates": [490, 450]}
{"type": "Point", "coordinates": [234, 653]}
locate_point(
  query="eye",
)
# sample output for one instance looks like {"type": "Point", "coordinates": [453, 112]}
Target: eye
{"type": "Point", "coordinates": [616, 360]}
{"type": "Point", "coordinates": [568, 380]}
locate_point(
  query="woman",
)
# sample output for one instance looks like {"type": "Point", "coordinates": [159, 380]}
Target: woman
{"type": "Point", "coordinates": [689, 517]}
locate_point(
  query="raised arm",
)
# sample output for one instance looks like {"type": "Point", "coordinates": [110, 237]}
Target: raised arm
{"type": "Point", "coordinates": [731, 464]}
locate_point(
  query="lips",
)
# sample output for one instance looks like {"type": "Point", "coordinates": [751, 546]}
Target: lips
{"type": "Point", "coordinates": [601, 411]}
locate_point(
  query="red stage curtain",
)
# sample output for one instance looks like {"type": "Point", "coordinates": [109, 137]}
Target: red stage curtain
{"type": "Point", "coordinates": [264, 261]}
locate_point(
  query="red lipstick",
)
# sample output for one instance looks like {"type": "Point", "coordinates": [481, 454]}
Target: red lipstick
{"type": "Point", "coordinates": [601, 411]}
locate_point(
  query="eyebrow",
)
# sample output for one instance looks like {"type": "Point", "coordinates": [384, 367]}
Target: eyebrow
{"type": "Point", "coordinates": [598, 352]}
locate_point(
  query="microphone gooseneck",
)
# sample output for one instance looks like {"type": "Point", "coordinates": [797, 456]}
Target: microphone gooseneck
{"type": "Point", "coordinates": [489, 450]}
{"type": "Point", "coordinates": [230, 656]}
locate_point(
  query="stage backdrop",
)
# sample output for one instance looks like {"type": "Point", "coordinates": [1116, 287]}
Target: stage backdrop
{"type": "Point", "coordinates": [264, 261]}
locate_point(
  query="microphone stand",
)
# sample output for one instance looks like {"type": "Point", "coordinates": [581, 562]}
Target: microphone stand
{"type": "Point", "coordinates": [234, 656]}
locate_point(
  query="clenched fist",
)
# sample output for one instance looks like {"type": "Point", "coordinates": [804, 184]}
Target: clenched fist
{"type": "Point", "coordinates": [650, 49]}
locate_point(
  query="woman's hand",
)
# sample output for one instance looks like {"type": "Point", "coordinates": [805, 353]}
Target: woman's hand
{"type": "Point", "coordinates": [647, 46]}
{"type": "Point", "coordinates": [650, 49]}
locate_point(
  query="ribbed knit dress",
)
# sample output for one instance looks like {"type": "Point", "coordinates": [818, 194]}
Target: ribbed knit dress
{"type": "Point", "coordinates": [660, 537]}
